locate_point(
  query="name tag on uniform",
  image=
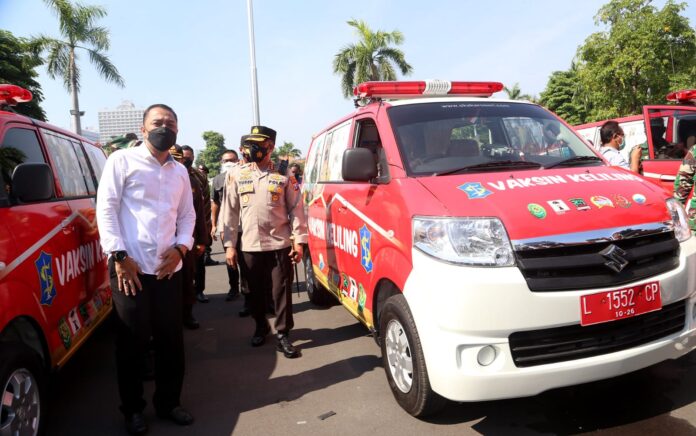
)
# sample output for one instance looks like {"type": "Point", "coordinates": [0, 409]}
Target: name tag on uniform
{"type": "Point", "coordinates": [276, 183]}
{"type": "Point", "coordinates": [245, 185]}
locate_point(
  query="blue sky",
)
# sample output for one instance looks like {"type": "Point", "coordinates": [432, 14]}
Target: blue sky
{"type": "Point", "coordinates": [194, 55]}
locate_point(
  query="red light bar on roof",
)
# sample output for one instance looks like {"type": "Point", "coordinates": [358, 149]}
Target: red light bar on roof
{"type": "Point", "coordinates": [682, 96]}
{"type": "Point", "coordinates": [426, 88]}
{"type": "Point", "coordinates": [13, 94]}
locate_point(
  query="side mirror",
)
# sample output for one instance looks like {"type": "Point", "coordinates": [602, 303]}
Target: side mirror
{"type": "Point", "coordinates": [359, 165]}
{"type": "Point", "coordinates": [32, 182]}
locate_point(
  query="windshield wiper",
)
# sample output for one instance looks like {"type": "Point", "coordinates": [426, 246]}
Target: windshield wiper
{"type": "Point", "coordinates": [500, 165]}
{"type": "Point", "coordinates": [576, 160]}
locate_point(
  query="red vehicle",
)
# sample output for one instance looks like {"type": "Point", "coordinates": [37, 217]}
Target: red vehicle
{"type": "Point", "coordinates": [663, 129]}
{"type": "Point", "coordinates": [54, 284]}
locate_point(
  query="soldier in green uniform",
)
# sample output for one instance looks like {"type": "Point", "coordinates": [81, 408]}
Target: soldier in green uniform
{"type": "Point", "coordinates": [684, 184]}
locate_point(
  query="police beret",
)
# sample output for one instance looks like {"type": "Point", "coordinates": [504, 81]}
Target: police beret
{"type": "Point", "coordinates": [261, 133]}
{"type": "Point", "coordinates": [176, 152]}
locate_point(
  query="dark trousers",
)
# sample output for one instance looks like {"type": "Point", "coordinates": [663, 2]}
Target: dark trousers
{"type": "Point", "coordinates": [199, 277]}
{"type": "Point", "coordinates": [233, 274]}
{"type": "Point", "coordinates": [271, 271]}
{"type": "Point", "coordinates": [189, 273]}
{"type": "Point", "coordinates": [154, 312]}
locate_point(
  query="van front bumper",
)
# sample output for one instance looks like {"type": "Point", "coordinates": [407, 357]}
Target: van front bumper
{"type": "Point", "coordinates": [459, 311]}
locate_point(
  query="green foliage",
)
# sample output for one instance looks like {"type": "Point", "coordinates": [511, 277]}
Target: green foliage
{"type": "Point", "coordinates": [285, 151]}
{"type": "Point", "coordinates": [18, 67]}
{"type": "Point", "coordinates": [562, 96]}
{"type": "Point", "coordinates": [211, 154]}
{"type": "Point", "coordinates": [515, 93]}
{"type": "Point", "coordinates": [371, 59]}
{"type": "Point", "coordinates": [642, 55]}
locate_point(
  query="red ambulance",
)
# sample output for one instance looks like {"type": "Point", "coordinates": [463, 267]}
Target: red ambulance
{"type": "Point", "coordinates": [662, 130]}
{"type": "Point", "coordinates": [491, 251]}
{"type": "Point", "coordinates": [54, 284]}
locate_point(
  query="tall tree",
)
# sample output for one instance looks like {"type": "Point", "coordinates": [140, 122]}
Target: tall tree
{"type": "Point", "coordinates": [18, 67]}
{"type": "Point", "coordinates": [564, 97]}
{"type": "Point", "coordinates": [286, 151]}
{"type": "Point", "coordinates": [638, 59]}
{"type": "Point", "coordinates": [78, 29]}
{"type": "Point", "coordinates": [372, 58]}
{"type": "Point", "coordinates": [515, 93]}
{"type": "Point", "coordinates": [210, 156]}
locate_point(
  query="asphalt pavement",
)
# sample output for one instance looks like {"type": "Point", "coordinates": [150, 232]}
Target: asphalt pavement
{"type": "Point", "coordinates": [338, 387]}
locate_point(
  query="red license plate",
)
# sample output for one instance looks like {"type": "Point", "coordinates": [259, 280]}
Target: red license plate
{"type": "Point", "coordinates": [619, 304]}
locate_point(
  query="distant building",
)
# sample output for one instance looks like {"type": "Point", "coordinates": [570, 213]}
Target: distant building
{"type": "Point", "coordinates": [124, 119]}
{"type": "Point", "coordinates": [90, 134]}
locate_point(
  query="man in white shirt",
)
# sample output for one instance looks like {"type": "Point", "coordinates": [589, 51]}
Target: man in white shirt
{"type": "Point", "coordinates": [612, 137]}
{"type": "Point", "coordinates": [146, 218]}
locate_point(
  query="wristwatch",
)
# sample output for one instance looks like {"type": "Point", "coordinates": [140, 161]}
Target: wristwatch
{"type": "Point", "coordinates": [120, 256]}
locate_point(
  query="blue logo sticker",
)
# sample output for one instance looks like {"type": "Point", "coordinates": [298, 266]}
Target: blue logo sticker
{"type": "Point", "coordinates": [475, 190]}
{"type": "Point", "coordinates": [45, 271]}
{"type": "Point", "coordinates": [365, 248]}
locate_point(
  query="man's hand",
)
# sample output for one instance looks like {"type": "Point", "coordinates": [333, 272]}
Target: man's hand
{"type": "Point", "coordinates": [127, 273]}
{"type": "Point", "coordinates": [296, 253]}
{"type": "Point", "coordinates": [213, 234]}
{"type": "Point", "coordinates": [231, 257]}
{"type": "Point", "coordinates": [170, 259]}
{"type": "Point", "coordinates": [199, 250]}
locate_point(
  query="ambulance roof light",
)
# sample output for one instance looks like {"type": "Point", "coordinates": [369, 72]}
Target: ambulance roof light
{"type": "Point", "coordinates": [682, 96]}
{"type": "Point", "coordinates": [10, 95]}
{"type": "Point", "coordinates": [426, 88]}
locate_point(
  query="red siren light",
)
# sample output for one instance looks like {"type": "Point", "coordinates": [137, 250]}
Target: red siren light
{"type": "Point", "coordinates": [682, 96]}
{"type": "Point", "coordinates": [13, 94]}
{"type": "Point", "coordinates": [426, 88]}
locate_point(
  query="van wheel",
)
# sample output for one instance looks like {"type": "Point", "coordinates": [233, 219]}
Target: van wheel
{"type": "Point", "coordinates": [403, 360]}
{"type": "Point", "coordinates": [316, 292]}
{"type": "Point", "coordinates": [22, 382]}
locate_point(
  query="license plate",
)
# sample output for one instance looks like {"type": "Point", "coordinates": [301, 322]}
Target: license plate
{"type": "Point", "coordinates": [619, 304]}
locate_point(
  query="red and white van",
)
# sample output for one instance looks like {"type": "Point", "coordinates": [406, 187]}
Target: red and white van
{"type": "Point", "coordinates": [661, 129]}
{"type": "Point", "coordinates": [54, 284]}
{"type": "Point", "coordinates": [490, 250]}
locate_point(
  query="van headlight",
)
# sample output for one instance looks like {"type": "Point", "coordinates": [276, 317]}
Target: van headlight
{"type": "Point", "coordinates": [679, 220]}
{"type": "Point", "coordinates": [467, 241]}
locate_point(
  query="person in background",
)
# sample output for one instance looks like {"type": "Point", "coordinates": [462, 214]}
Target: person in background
{"type": "Point", "coordinates": [612, 137]}
{"type": "Point", "coordinates": [146, 220]}
{"type": "Point", "coordinates": [199, 279]}
{"type": "Point", "coordinates": [200, 240]}
{"type": "Point", "coordinates": [295, 170]}
{"type": "Point", "coordinates": [274, 229]}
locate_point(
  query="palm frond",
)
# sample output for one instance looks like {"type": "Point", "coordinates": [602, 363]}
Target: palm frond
{"type": "Point", "coordinates": [106, 69]}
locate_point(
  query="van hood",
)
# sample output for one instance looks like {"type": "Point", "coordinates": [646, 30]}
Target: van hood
{"type": "Point", "coordinates": [542, 202]}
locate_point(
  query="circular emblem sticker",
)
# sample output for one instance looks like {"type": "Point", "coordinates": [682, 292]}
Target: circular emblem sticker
{"type": "Point", "coordinates": [245, 199]}
{"type": "Point", "coordinates": [537, 210]}
{"type": "Point", "coordinates": [274, 197]}
{"type": "Point", "coordinates": [639, 198]}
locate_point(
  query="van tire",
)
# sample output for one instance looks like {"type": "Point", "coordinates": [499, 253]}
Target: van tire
{"type": "Point", "coordinates": [401, 350]}
{"type": "Point", "coordinates": [21, 370]}
{"type": "Point", "coordinates": [315, 291]}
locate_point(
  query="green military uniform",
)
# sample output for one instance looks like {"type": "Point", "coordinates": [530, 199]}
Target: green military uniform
{"type": "Point", "coordinates": [684, 183]}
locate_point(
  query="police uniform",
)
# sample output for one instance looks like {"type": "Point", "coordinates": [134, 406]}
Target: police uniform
{"type": "Point", "coordinates": [199, 279]}
{"type": "Point", "coordinates": [684, 183]}
{"type": "Point", "coordinates": [270, 211]}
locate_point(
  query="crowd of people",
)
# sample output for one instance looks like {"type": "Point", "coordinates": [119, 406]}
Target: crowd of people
{"type": "Point", "coordinates": [158, 220]}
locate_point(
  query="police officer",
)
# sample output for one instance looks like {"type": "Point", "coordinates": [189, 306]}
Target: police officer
{"type": "Point", "coordinates": [274, 229]}
{"type": "Point", "coordinates": [201, 237]}
{"type": "Point", "coordinates": [202, 178]}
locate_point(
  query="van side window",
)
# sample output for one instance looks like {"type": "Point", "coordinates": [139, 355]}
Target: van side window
{"type": "Point", "coordinates": [18, 146]}
{"type": "Point", "coordinates": [335, 144]}
{"type": "Point", "coordinates": [311, 173]}
{"type": "Point", "coordinates": [367, 136]}
{"type": "Point", "coordinates": [70, 165]}
{"type": "Point", "coordinates": [96, 158]}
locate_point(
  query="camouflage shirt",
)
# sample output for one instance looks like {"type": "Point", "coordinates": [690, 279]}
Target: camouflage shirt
{"type": "Point", "coordinates": [684, 183]}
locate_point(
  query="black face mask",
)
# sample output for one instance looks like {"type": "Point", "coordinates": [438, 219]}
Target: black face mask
{"type": "Point", "coordinates": [162, 138]}
{"type": "Point", "coordinates": [254, 153]}
{"type": "Point", "coordinates": [188, 163]}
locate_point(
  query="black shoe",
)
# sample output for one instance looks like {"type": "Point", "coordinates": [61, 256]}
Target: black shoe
{"type": "Point", "coordinates": [191, 323]}
{"type": "Point", "coordinates": [232, 296]}
{"type": "Point", "coordinates": [244, 313]}
{"type": "Point", "coordinates": [260, 334]}
{"type": "Point", "coordinates": [209, 261]}
{"type": "Point", "coordinates": [283, 345]}
{"type": "Point", "coordinates": [135, 424]}
{"type": "Point", "coordinates": [202, 298]}
{"type": "Point", "coordinates": [179, 415]}
{"type": "Point", "coordinates": [270, 311]}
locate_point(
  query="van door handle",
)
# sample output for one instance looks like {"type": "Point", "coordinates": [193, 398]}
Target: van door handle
{"type": "Point", "coordinates": [67, 227]}
{"type": "Point", "coordinates": [342, 209]}
{"type": "Point", "coordinates": [2, 266]}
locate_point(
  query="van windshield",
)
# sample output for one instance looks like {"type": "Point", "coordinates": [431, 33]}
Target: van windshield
{"type": "Point", "coordinates": [446, 137]}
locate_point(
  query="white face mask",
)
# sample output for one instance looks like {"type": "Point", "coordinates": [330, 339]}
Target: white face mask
{"type": "Point", "coordinates": [227, 166]}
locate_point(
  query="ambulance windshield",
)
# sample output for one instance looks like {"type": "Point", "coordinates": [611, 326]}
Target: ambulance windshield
{"type": "Point", "coordinates": [440, 138]}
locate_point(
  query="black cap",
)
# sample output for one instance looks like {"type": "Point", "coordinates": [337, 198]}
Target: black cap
{"type": "Point", "coordinates": [261, 133]}
{"type": "Point", "coordinates": [244, 140]}
{"type": "Point", "coordinates": [176, 151]}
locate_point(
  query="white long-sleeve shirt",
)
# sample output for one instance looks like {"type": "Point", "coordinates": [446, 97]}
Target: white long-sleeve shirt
{"type": "Point", "coordinates": [144, 207]}
{"type": "Point", "coordinates": [614, 157]}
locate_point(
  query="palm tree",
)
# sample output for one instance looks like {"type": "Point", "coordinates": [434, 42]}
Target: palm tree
{"type": "Point", "coordinates": [287, 150]}
{"type": "Point", "coordinates": [372, 58]}
{"type": "Point", "coordinates": [79, 32]}
{"type": "Point", "coordinates": [515, 93]}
